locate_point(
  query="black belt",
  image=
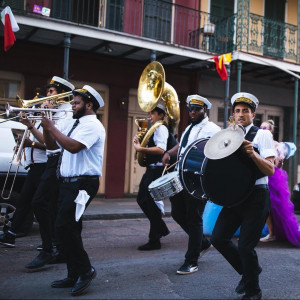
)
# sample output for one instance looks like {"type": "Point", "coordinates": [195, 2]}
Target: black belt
{"type": "Point", "coordinates": [261, 186]}
{"type": "Point", "coordinates": [154, 167]}
{"type": "Point", "coordinates": [53, 154]}
{"type": "Point", "coordinates": [76, 178]}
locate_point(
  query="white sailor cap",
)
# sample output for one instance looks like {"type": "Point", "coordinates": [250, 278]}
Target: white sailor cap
{"type": "Point", "coordinates": [198, 100]}
{"type": "Point", "coordinates": [291, 149]}
{"type": "Point", "coordinates": [162, 105]}
{"type": "Point", "coordinates": [60, 82]}
{"type": "Point", "coordinates": [91, 94]}
{"type": "Point", "coordinates": [246, 98]}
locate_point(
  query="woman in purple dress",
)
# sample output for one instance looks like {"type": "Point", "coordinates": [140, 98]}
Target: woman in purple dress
{"type": "Point", "coordinates": [282, 222]}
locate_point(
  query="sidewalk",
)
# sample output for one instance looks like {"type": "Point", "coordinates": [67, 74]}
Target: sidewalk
{"type": "Point", "coordinates": [120, 208]}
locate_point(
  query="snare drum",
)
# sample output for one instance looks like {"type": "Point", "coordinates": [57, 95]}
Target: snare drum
{"type": "Point", "coordinates": [165, 186]}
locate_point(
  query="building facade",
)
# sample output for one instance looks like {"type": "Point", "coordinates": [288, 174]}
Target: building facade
{"type": "Point", "coordinates": [108, 43]}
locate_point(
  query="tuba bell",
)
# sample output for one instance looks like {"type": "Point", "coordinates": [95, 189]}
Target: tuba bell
{"type": "Point", "coordinates": [153, 87]}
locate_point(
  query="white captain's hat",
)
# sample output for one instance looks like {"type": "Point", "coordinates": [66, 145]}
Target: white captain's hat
{"type": "Point", "coordinates": [162, 105]}
{"type": "Point", "coordinates": [62, 83]}
{"type": "Point", "coordinates": [197, 100]}
{"type": "Point", "coordinates": [90, 93]}
{"type": "Point", "coordinates": [246, 98]}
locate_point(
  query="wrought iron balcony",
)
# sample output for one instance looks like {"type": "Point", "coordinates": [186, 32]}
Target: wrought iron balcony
{"type": "Point", "coordinates": [176, 25]}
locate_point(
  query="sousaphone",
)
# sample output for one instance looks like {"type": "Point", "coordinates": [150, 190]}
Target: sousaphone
{"type": "Point", "coordinates": [153, 87]}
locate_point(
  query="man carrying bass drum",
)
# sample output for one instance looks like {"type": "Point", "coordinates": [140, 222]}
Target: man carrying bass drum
{"type": "Point", "coordinates": [250, 215]}
{"type": "Point", "coordinates": [187, 210]}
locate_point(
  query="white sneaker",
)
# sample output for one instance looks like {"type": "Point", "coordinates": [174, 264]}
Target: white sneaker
{"type": "Point", "coordinates": [268, 238]}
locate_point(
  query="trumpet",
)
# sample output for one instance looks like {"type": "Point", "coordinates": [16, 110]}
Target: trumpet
{"type": "Point", "coordinates": [56, 99]}
{"type": "Point", "coordinates": [16, 160]}
{"type": "Point", "coordinates": [44, 112]}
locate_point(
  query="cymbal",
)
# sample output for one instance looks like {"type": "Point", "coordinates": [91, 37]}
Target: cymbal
{"type": "Point", "coordinates": [224, 143]}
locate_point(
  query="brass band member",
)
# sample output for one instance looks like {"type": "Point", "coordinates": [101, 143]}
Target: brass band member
{"type": "Point", "coordinates": [79, 169]}
{"type": "Point", "coordinates": [35, 162]}
{"type": "Point", "coordinates": [251, 214]}
{"type": "Point", "coordinates": [45, 198]}
{"type": "Point", "coordinates": [187, 210]}
{"type": "Point", "coordinates": [154, 149]}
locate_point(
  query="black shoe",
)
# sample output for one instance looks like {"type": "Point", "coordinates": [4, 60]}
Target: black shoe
{"type": "Point", "coordinates": [187, 268]}
{"type": "Point", "coordinates": [7, 239]}
{"type": "Point", "coordinates": [151, 245]}
{"type": "Point", "coordinates": [240, 289]}
{"type": "Point", "coordinates": [83, 282]}
{"type": "Point", "coordinates": [42, 259]}
{"type": "Point", "coordinates": [252, 296]}
{"type": "Point", "coordinates": [204, 250]}
{"type": "Point", "coordinates": [64, 283]}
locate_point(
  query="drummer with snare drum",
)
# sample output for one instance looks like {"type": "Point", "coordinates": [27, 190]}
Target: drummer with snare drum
{"type": "Point", "coordinates": [187, 210]}
{"type": "Point", "coordinates": [250, 215]}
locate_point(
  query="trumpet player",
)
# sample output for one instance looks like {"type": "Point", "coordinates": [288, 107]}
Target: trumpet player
{"type": "Point", "coordinates": [35, 162]}
{"type": "Point", "coordinates": [45, 198]}
{"type": "Point", "coordinates": [154, 151]}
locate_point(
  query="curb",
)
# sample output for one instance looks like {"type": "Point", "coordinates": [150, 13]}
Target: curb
{"type": "Point", "coordinates": [117, 216]}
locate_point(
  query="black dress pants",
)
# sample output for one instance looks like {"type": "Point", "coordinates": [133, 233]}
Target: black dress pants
{"type": "Point", "coordinates": [187, 211]}
{"type": "Point", "coordinates": [158, 227]}
{"type": "Point", "coordinates": [24, 203]}
{"type": "Point", "coordinates": [251, 216]}
{"type": "Point", "coordinates": [45, 202]}
{"type": "Point", "coordinates": [68, 231]}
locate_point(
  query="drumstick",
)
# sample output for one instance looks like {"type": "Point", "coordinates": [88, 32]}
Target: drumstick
{"type": "Point", "coordinates": [163, 173]}
{"type": "Point", "coordinates": [175, 163]}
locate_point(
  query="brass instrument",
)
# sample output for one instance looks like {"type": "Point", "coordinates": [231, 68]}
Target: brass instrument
{"type": "Point", "coordinates": [47, 112]}
{"type": "Point", "coordinates": [57, 99]}
{"type": "Point", "coordinates": [152, 87]}
{"type": "Point", "coordinates": [16, 160]}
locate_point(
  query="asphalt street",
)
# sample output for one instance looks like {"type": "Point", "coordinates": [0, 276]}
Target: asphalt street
{"type": "Point", "coordinates": [126, 273]}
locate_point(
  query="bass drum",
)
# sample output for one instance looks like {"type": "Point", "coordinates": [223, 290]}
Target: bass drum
{"type": "Point", "coordinates": [191, 169]}
{"type": "Point", "coordinates": [228, 181]}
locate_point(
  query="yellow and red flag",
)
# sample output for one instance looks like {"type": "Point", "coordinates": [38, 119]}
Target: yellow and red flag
{"type": "Point", "coordinates": [220, 64]}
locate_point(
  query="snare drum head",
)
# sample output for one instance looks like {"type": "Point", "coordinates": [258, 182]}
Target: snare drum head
{"type": "Point", "coordinates": [191, 167]}
{"type": "Point", "coordinates": [163, 179]}
{"type": "Point", "coordinates": [228, 181]}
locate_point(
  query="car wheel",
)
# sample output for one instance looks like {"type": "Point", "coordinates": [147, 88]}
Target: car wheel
{"type": "Point", "coordinates": [7, 210]}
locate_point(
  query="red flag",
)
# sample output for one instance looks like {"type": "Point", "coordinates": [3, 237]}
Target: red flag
{"type": "Point", "coordinates": [9, 37]}
{"type": "Point", "coordinates": [221, 69]}
{"type": "Point", "coordinates": [10, 26]}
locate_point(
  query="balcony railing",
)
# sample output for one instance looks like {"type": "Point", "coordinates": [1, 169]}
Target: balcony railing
{"type": "Point", "coordinates": [163, 21]}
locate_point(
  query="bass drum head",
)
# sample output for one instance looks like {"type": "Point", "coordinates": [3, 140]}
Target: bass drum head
{"type": "Point", "coordinates": [191, 167]}
{"type": "Point", "coordinates": [228, 181]}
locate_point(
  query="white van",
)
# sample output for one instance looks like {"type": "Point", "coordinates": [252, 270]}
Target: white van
{"type": "Point", "coordinates": [7, 145]}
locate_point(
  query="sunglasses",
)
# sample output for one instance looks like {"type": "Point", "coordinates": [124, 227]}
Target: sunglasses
{"type": "Point", "coordinates": [263, 127]}
{"type": "Point", "coordinates": [195, 108]}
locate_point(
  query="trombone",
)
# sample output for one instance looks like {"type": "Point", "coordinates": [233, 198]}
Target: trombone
{"type": "Point", "coordinates": [16, 160]}
{"type": "Point", "coordinates": [47, 112]}
{"type": "Point", "coordinates": [57, 99]}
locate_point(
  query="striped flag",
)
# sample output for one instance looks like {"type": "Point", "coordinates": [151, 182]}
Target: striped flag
{"type": "Point", "coordinates": [220, 64]}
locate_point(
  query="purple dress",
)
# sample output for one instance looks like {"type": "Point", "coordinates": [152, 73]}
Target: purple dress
{"type": "Point", "coordinates": [285, 224]}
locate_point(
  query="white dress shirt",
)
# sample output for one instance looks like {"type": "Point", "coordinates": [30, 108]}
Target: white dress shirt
{"type": "Point", "coordinates": [264, 142]}
{"type": "Point", "coordinates": [204, 129]}
{"type": "Point", "coordinates": [63, 123]}
{"type": "Point", "coordinates": [160, 139]}
{"type": "Point", "coordinates": [91, 133]}
{"type": "Point", "coordinates": [39, 155]}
